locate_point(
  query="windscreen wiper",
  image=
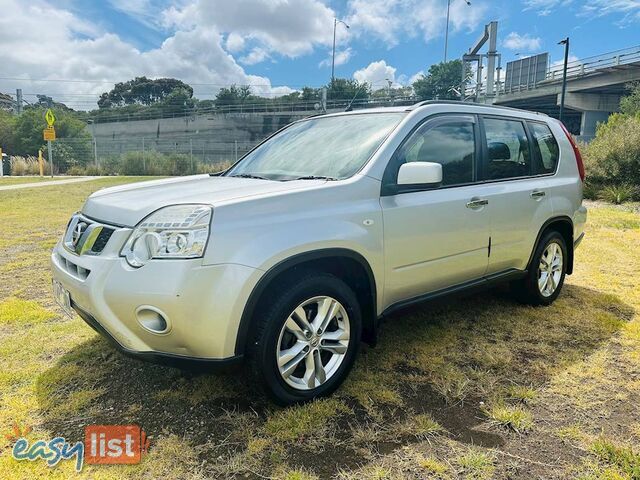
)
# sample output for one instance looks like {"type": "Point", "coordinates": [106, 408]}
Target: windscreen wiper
{"type": "Point", "coordinates": [248, 175]}
{"type": "Point", "coordinates": [315, 177]}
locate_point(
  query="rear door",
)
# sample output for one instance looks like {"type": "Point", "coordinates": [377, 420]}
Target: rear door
{"type": "Point", "coordinates": [517, 190]}
{"type": "Point", "coordinates": [435, 238]}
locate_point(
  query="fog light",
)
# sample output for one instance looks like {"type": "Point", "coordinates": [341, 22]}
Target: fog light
{"type": "Point", "coordinates": [152, 319]}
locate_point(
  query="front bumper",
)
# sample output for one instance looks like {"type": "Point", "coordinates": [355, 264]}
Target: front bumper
{"type": "Point", "coordinates": [169, 359]}
{"type": "Point", "coordinates": [202, 304]}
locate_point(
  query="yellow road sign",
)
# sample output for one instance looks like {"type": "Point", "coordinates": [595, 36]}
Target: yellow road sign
{"type": "Point", "coordinates": [49, 133]}
{"type": "Point", "coordinates": [50, 117]}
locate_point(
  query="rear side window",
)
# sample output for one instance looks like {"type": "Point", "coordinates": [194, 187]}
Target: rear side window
{"type": "Point", "coordinates": [450, 144]}
{"type": "Point", "coordinates": [508, 149]}
{"type": "Point", "coordinates": [545, 147]}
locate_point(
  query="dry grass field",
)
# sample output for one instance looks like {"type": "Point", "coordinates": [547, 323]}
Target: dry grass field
{"type": "Point", "coordinates": [474, 387]}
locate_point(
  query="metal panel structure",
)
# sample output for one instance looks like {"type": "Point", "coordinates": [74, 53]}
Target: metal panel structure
{"type": "Point", "coordinates": [526, 72]}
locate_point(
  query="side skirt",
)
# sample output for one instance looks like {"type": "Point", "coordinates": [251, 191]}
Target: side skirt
{"type": "Point", "coordinates": [466, 287]}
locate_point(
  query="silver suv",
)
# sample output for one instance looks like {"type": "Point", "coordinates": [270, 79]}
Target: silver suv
{"type": "Point", "coordinates": [292, 256]}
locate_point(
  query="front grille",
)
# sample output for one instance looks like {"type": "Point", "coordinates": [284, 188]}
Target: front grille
{"type": "Point", "coordinates": [85, 236]}
{"type": "Point", "coordinates": [102, 239]}
{"type": "Point", "coordinates": [73, 269]}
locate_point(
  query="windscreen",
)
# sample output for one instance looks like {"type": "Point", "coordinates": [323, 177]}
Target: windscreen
{"type": "Point", "coordinates": [331, 147]}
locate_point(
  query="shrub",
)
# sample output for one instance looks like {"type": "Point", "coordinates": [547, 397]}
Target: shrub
{"type": "Point", "coordinates": [591, 191]}
{"type": "Point", "coordinates": [28, 166]}
{"type": "Point", "coordinates": [613, 157]}
{"type": "Point", "coordinates": [618, 194]}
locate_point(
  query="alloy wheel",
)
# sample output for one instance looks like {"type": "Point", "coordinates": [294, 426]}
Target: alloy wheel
{"type": "Point", "coordinates": [313, 342]}
{"type": "Point", "coordinates": [550, 269]}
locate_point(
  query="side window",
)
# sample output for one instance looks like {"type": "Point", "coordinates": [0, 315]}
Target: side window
{"type": "Point", "coordinates": [545, 145]}
{"type": "Point", "coordinates": [508, 149]}
{"type": "Point", "coordinates": [450, 144]}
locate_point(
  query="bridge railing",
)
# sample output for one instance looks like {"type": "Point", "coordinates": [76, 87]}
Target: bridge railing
{"type": "Point", "coordinates": [575, 69]}
{"type": "Point", "coordinates": [587, 65]}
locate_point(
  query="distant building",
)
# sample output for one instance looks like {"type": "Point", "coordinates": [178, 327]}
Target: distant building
{"type": "Point", "coordinates": [7, 102]}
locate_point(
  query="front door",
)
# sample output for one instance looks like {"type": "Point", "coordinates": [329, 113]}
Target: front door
{"type": "Point", "coordinates": [435, 238]}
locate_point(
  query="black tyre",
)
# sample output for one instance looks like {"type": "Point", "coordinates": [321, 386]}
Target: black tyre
{"type": "Point", "coordinates": [306, 339]}
{"type": "Point", "coordinates": [546, 273]}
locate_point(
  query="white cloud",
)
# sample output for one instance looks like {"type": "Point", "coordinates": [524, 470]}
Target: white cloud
{"type": "Point", "coordinates": [256, 55]}
{"type": "Point", "coordinates": [389, 20]}
{"type": "Point", "coordinates": [235, 42]}
{"type": "Point", "coordinates": [288, 27]}
{"type": "Point", "coordinates": [525, 42]}
{"type": "Point", "coordinates": [342, 57]}
{"type": "Point", "coordinates": [415, 77]}
{"type": "Point", "coordinates": [43, 42]}
{"type": "Point", "coordinates": [630, 9]}
{"type": "Point", "coordinates": [376, 74]}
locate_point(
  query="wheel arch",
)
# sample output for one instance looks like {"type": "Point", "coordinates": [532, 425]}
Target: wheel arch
{"type": "Point", "coordinates": [564, 226]}
{"type": "Point", "coordinates": [346, 264]}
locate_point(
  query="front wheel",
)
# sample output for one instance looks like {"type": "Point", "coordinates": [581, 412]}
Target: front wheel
{"type": "Point", "coordinates": [547, 272]}
{"type": "Point", "coordinates": [307, 340]}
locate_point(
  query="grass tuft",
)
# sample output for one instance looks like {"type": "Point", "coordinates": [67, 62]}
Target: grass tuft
{"type": "Point", "coordinates": [477, 465]}
{"type": "Point", "coordinates": [295, 423]}
{"type": "Point", "coordinates": [514, 418]}
{"type": "Point", "coordinates": [624, 459]}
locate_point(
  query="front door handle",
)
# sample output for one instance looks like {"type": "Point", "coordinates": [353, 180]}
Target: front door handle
{"type": "Point", "coordinates": [476, 202]}
{"type": "Point", "coordinates": [537, 194]}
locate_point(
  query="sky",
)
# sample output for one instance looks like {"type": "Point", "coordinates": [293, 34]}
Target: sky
{"type": "Point", "coordinates": [74, 50]}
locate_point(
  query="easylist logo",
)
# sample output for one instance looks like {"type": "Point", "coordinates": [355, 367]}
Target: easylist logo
{"type": "Point", "coordinates": [114, 444]}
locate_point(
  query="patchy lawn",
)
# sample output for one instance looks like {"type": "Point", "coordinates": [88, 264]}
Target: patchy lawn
{"type": "Point", "coordinates": [477, 387]}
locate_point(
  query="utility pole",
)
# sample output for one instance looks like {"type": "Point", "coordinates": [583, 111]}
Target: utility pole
{"type": "Point", "coordinates": [333, 56]}
{"type": "Point", "coordinates": [564, 42]}
{"type": "Point", "coordinates": [18, 101]}
{"type": "Point", "coordinates": [446, 30]}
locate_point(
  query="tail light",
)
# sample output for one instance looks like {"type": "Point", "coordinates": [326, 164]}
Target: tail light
{"type": "Point", "coordinates": [576, 151]}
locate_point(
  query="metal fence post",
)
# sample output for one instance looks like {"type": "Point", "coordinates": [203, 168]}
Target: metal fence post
{"type": "Point", "coordinates": [95, 151]}
{"type": "Point", "coordinates": [144, 162]}
{"type": "Point", "coordinates": [191, 154]}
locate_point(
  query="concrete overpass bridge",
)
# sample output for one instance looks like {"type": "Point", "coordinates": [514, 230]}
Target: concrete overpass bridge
{"type": "Point", "coordinates": [594, 88]}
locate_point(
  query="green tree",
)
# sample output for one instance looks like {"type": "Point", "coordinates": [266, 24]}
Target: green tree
{"type": "Point", "coordinates": [630, 103]}
{"type": "Point", "coordinates": [142, 91]}
{"type": "Point", "coordinates": [348, 89]}
{"type": "Point", "coordinates": [234, 95]}
{"type": "Point", "coordinates": [7, 126]}
{"type": "Point", "coordinates": [440, 81]}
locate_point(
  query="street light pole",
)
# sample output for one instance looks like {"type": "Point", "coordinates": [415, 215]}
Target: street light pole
{"type": "Point", "coordinates": [446, 31]}
{"type": "Point", "coordinates": [333, 56]}
{"type": "Point", "coordinates": [564, 42]}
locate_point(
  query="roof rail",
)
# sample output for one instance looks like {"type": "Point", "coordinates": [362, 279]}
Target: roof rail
{"type": "Point", "coordinates": [460, 102]}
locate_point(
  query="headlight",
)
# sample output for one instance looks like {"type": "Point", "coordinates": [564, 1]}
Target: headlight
{"type": "Point", "coordinates": [178, 231]}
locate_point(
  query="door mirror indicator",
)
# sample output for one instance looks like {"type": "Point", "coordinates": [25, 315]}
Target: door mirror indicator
{"type": "Point", "coordinates": [427, 174]}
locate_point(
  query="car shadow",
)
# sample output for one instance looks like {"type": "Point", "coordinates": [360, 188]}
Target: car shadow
{"type": "Point", "coordinates": [482, 338]}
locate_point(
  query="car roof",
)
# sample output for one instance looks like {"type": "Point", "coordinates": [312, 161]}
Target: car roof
{"type": "Point", "coordinates": [429, 103]}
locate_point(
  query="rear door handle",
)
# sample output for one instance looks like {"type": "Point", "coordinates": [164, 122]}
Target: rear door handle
{"type": "Point", "coordinates": [477, 202]}
{"type": "Point", "coordinates": [538, 194]}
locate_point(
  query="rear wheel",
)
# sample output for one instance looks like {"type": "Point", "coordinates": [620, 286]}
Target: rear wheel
{"type": "Point", "coordinates": [306, 341]}
{"type": "Point", "coordinates": [547, 271]}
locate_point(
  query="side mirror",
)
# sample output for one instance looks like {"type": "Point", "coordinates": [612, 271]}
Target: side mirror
{"type": "Point", "coordinates": [428, 174]}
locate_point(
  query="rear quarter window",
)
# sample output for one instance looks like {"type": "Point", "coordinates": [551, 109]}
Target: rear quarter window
{"type": "Point", "coordinates": [545, 148]}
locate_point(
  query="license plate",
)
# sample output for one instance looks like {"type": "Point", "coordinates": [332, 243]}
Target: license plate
{"type": "Point", "coordinates": [62, 297]}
